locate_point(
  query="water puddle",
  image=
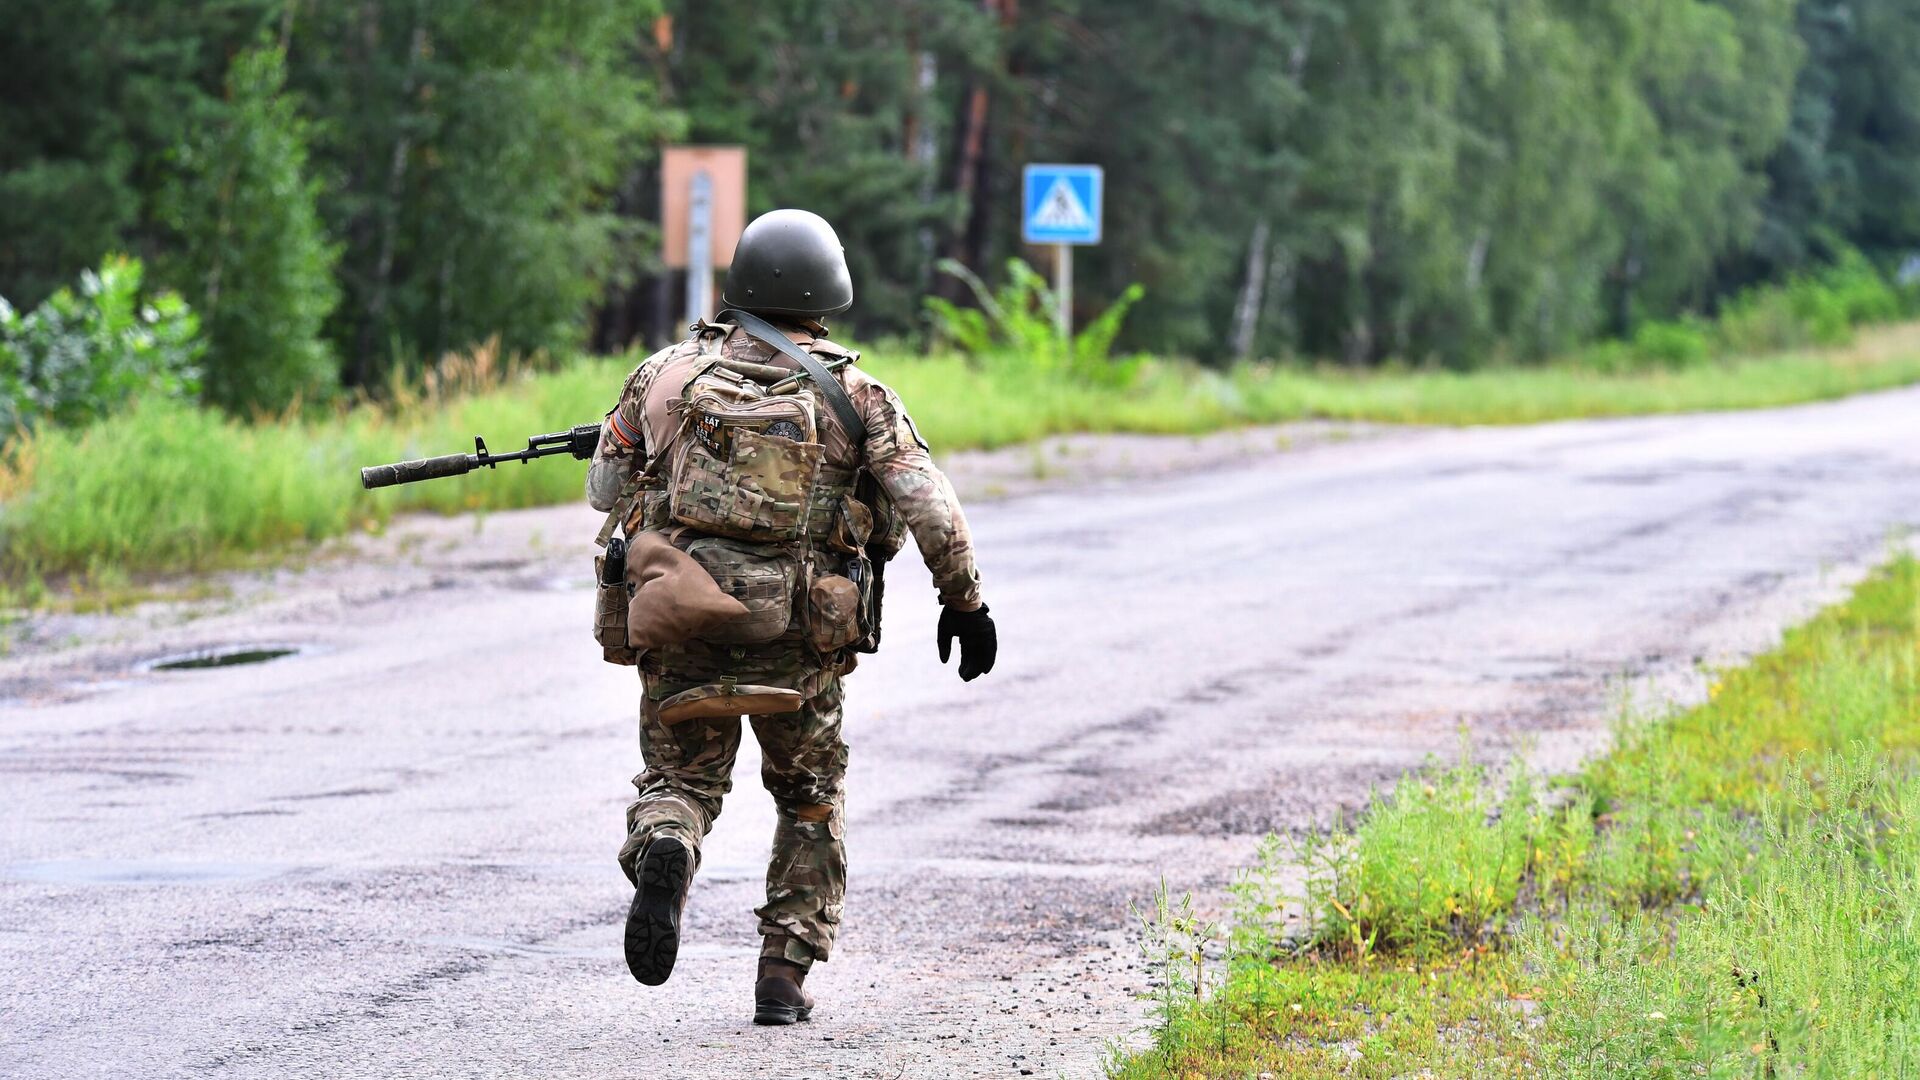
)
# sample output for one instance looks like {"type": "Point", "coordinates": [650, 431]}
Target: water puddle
{"type": "Point", "coordinates": [219, 657]}
{"type": "Point", "coordinates": [138, 872]}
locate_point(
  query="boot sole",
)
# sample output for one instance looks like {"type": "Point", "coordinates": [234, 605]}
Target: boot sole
{"type": "Point", "coordinates": [775, 1013]}
{"type": "Point", "coordinates": [653, 922]}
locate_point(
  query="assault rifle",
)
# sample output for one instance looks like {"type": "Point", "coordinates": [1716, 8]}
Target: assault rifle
{"type": "Point", "coordinates": [581, 442]}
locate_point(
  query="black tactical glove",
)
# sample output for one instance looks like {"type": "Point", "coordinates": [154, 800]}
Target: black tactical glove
{"type": "Point", "coordinates": [978, 642]}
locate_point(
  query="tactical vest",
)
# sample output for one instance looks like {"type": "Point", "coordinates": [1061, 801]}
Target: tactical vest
{"type": "Point", "coordinates": [739, 484]}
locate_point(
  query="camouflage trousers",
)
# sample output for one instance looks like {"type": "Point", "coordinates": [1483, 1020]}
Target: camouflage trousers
{"type": "Point", "coordinates": [803, 764]}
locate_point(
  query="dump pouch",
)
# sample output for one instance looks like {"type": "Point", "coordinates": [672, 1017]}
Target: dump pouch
{"type": "Point", "coordinates": [672, 596]}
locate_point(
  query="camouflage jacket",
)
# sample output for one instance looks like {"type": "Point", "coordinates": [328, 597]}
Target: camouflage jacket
{"type": "Point", "coordinates": [893, 452]}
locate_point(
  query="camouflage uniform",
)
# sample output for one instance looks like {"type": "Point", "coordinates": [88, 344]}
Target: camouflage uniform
{"type": "Point", "coordinates": [690, 764]}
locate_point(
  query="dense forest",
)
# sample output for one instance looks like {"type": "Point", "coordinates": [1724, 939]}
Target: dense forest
{"type": "Point", "coordinates": [339, 191]}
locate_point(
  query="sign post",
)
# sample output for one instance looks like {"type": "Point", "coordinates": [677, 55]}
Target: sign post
{"type": "Point", "coordinates": [703, 208]}
{"type": "Point", "coordinates": [1061, 205]}
{"type": "Point", "coordinates": [700, 247]}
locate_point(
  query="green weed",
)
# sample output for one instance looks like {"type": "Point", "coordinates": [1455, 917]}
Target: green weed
{"type": "Point", "coordinates": [1437, 863]}
{"type": "Point", "coordinates": [1733, 891]}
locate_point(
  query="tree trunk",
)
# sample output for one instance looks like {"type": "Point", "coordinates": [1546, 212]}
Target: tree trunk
{"type": "Point", "coordinates": [969, 244]}
{"type": "Point", "coordinates": [390, 213]}
{"type": "Point", "coordinates": [1253, 293]}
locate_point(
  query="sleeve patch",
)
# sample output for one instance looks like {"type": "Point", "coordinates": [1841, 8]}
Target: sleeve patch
{"type": "Point", "coordinates": [915, 432]}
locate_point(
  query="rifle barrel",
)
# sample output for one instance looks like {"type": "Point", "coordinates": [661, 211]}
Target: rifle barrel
{"type": "Point", "coordinates": [407, 472]}
{"type": "Point", "coordinates": [579, 441]}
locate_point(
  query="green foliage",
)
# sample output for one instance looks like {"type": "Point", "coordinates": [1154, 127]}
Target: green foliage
{"type": "Point", "coordinates": [1799, 961]}
{"type": "Point", "coordinates": [1437, 861]}
{"type": "Point", "coordinates": [1460, 183]}
{"type": "Point", "coordinates": [1015, 325]}
{"type": "Point", "coordinates": [1818, 308]}
{"type": "Point", "coordinates": [83, 355]}
{"type": "Point", "coordinates": [1732, 891]}
{"type": "Point", "coordinates": [469, 152]}
{"type": "Point", "coordinates": [253, 255]}
{"type": "Point", "coordinates": [296, 476]}
{"type": "Point", "coordinates": [1680, 344]}
{"type": "Point", "coordinates": [1841, 178]}
{"type": "Point", "coordinates": [97, 93]}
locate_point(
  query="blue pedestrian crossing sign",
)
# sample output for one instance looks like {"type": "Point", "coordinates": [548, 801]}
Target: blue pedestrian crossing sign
{"type": "Point", "coordinates": [1060, 204]}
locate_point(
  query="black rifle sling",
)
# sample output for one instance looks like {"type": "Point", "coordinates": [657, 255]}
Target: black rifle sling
{"type": "Point", "coordinates": [836, 395]}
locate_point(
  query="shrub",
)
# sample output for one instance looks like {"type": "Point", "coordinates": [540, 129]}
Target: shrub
{"type": "Point", "coordinates": [81, 355]}
{"type": "Point", "coordinates": [1673, 345]}
{"type": "Point", "coordinates": [1822, 308]}
{"type": "Point", "coordinates": [1441, 860]}
{"type": "Point", "coordinates": [1017, 324]}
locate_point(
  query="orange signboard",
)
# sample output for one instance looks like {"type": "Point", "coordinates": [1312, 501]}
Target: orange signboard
{"type": "Point", "coordinates": [726, 169]}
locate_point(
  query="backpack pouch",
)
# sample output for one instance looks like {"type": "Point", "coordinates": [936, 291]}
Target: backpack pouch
{"type": "Point", "coordinates": [746, 471]}
{"type": "Point", "coordinates": [762, 578]}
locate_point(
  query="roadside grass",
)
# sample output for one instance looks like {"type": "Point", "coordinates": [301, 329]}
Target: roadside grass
{"type": "Point", "coordinates": [1733, 891]}
{"type": "Point", "coordinates": [167, 487]}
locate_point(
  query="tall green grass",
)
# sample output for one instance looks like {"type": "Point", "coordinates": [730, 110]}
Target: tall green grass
{"type": "Point", "coordinates": [1732, 892]}
{"type": "Point", "coordinates": [167, 486]}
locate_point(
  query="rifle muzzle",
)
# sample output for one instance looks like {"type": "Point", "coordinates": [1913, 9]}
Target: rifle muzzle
{"type": "Point", "coordinates": [407, 472]}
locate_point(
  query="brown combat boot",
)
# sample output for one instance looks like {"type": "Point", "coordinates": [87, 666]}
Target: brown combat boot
{"type": "Point", "coordinates": [653, 922]}
{"type": "Point", "coordinates": [777, 996]}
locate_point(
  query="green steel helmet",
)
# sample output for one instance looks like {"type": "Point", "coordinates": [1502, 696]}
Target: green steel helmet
{"type": "Point", "coordinates": [789, 262]}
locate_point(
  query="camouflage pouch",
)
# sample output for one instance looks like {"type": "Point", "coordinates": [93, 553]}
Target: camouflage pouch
{"type": "Point", "coordinates": [610, 616]}
{"type": "Point", "coordinates": [889, 532]}
{"type": "Point", "coordinates": [833, 613]}
{"type": "Point", "coordinates": [761, 577]}
{"type": "Point", "coordinates": [746, 469]}
{"type": "Point", "coordinates": [725, 699]}
{"type": "Point", "coordinates": [852, 525]}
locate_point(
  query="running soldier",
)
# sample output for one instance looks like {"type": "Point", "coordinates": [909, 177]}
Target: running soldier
{"type": "Point", "coordinates": [761, 481]}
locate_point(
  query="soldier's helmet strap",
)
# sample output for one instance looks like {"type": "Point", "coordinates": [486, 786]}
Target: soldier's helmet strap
{"type": "Point", "coordinates": [765, 332]}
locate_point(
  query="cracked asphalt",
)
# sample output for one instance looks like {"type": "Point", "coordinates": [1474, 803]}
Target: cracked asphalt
{"type": "Point", "coordinates": [390, 855]}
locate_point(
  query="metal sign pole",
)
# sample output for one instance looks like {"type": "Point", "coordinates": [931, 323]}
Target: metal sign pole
{"type": "Point", "coordinates": [700, 248]}
{"type": "Point", "coordinates": [1063, 291]}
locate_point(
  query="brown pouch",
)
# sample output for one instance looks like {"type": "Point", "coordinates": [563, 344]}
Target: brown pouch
{"type": "Point", "coordinates": [726, 699]}
{"type": "Point", "coordinates": [674, 598]}
{"type": "Point", "coordinates": [833, 612]}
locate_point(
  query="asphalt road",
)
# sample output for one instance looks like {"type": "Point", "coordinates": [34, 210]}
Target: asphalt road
{"type": "Point", "coordinates": [391, 854]}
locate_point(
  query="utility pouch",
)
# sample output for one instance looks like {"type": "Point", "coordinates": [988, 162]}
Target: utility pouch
{"type": "Point", "coordinates": [746, 469]}
{"type": "Point", "coordinates": [761, 577]}
{"type": "Point", "coordinates": [889, 532]}
{"type": "Point", "coordinates": [610, 605]}
{"type": "Point", "coordinates": [883, 541]}
{"type": "Point", "coordinates": [872, 592]}
{"type": "Point", "coordinates": [726, 699]}
{"type": "Point", "coordinates": [852, 525]}
{"type": "Point", "coordinates": [649, 513]}
{"type": "Point", "coordinates": [834, 608]}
